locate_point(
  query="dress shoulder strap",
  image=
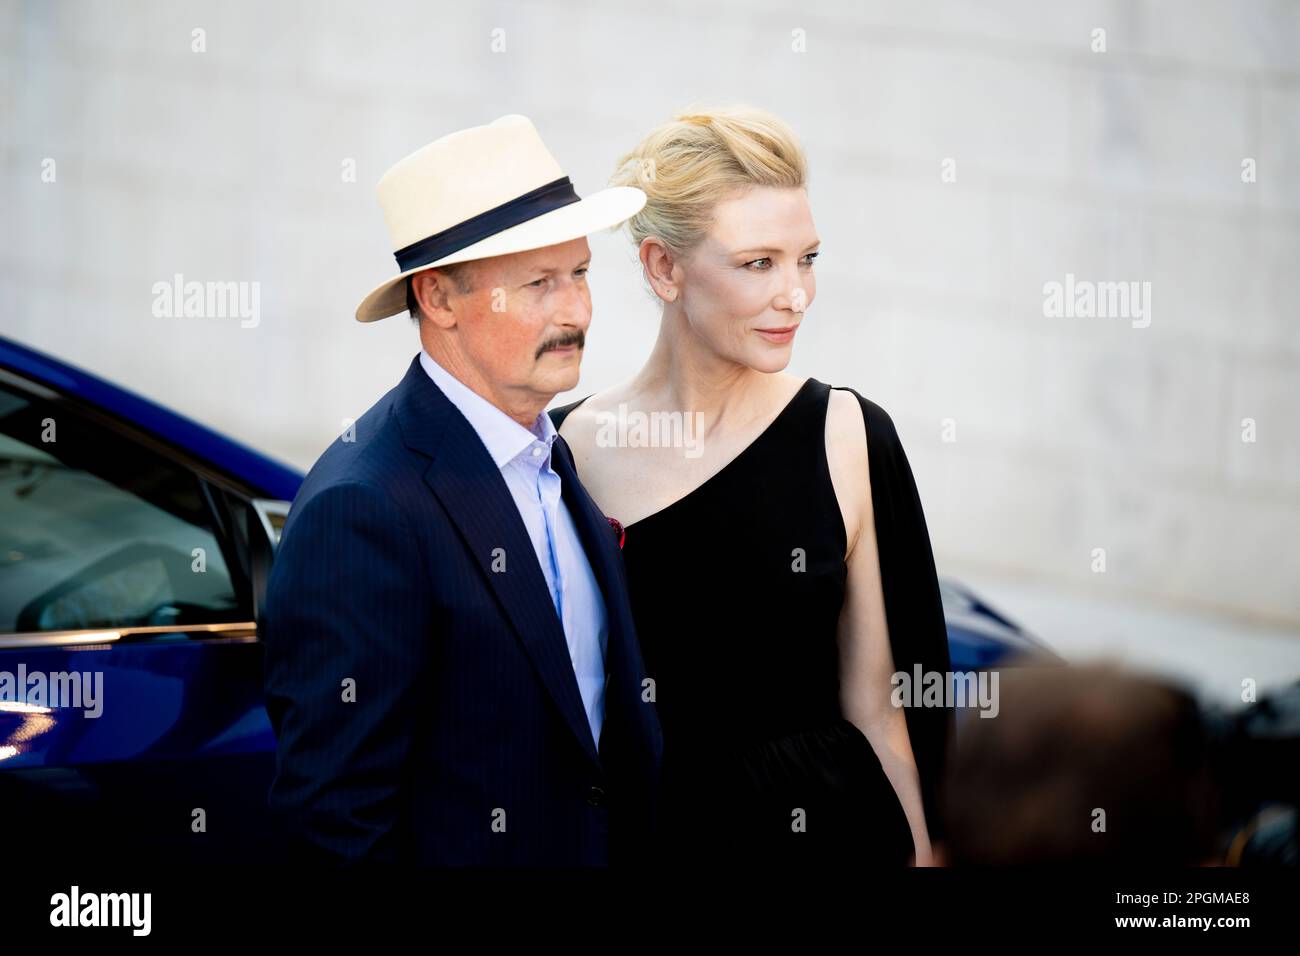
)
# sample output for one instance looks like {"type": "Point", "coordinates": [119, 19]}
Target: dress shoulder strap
{"type": "Point", "coordinates": [559, 414]}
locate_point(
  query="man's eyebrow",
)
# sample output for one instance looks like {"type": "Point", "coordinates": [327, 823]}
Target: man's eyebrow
{"type": "Point", "coordinates": [550, 270]}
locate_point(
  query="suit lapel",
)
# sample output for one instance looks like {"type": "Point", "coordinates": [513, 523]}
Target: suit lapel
{"type": "Point", "coordinates": [475, 496]}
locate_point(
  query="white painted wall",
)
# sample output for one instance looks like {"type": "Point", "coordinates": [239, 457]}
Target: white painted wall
{"type": "Point", "coordinates": [1071, 434]}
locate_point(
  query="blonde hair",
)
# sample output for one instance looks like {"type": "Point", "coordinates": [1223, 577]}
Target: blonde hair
{"type": "Point", "coordinates": [688, 165]}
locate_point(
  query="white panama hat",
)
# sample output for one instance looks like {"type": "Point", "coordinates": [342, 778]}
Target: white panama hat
{"type": "Point", "coordinates": [480, 192]}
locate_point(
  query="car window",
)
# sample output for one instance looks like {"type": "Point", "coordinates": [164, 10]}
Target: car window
{"type": "Point", "coordinates": [99, 531]}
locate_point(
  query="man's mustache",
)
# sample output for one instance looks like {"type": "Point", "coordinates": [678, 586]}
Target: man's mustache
{"type": "Point", "coordinates": [576, 337]}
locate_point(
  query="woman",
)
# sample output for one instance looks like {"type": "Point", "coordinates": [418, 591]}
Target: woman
{"type": "Point", "coordinates": [777, 558]}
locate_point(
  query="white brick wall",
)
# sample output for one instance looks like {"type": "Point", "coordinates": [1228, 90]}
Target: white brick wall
{"type": "Point", "coordinates": [1072, 434]}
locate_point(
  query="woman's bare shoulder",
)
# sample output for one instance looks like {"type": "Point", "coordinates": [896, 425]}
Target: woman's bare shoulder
{"type": "Point", "coordinates": [872, 418]}
{"type": "Point", "coordinates": [846, 433]}
{"type": "Point", "coordinates": [856, 429]}
{"type": "Point", "coordinates": [846, 456]}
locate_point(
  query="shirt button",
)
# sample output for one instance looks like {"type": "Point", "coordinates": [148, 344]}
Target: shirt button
{"type": "Point", "coordinates": [537, 452]}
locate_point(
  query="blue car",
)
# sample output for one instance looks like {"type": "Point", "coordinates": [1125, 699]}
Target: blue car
{"type": "Point", "coordinates": [134, 550]}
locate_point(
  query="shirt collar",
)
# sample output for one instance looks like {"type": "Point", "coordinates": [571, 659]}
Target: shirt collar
{"type": "Point", "coordinates": [504, 437]}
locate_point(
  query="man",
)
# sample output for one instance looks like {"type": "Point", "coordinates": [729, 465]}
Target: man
{"type": "Point", "coordinates": [451, 668]}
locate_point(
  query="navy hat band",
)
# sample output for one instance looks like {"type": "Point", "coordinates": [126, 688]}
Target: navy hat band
{"type": "Point", "coordinates": [530, 205]}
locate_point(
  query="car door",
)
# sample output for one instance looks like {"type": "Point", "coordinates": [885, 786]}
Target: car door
{"type": "Point", "coordinates": [131, 716]}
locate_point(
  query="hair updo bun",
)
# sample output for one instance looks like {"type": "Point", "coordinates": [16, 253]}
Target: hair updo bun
{"type": "Point", "coordinates": [689, 164]}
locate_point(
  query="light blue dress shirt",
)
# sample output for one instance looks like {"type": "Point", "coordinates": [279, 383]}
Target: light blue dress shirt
{"type": "Point", "coordinates": [524, 457]}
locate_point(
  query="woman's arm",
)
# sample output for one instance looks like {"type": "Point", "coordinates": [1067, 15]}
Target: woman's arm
{"type": "Point", "coordinates": [866, 661]}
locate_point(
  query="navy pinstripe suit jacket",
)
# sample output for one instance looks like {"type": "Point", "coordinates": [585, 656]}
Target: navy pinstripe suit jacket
{"type": "Point", "coordinates": [424, 704]}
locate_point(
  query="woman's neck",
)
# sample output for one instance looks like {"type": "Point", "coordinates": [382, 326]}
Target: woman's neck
{"type": "Point", "coordinates": [684, 373]}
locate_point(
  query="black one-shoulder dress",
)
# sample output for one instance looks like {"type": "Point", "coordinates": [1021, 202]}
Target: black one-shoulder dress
{"type": "Point", "coordinates": [736, 590]}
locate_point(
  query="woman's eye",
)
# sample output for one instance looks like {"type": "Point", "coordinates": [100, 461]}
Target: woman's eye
{"type": "Point", "coordinates": [765, 259]}
{"type": "Point", "coordinates": [811, 256]}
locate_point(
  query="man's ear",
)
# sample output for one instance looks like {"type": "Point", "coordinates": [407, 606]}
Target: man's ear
{"type": "Point", "coordinates": [432, 291]}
